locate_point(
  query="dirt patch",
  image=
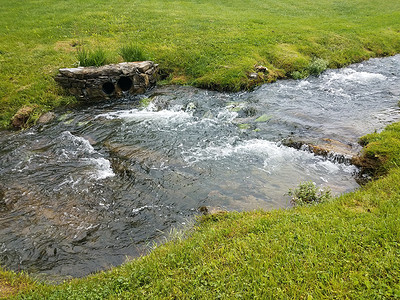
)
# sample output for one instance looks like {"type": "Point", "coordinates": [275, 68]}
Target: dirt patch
{"type": "Point", "coordinates": [66, 46]}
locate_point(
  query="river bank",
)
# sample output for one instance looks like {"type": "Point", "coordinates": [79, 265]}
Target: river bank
{"type": "Point", "coordinates": [205, 44]}
{"type": "Point", "coordinates": [347, 247]}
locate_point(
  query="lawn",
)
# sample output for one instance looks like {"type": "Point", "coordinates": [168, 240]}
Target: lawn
{"type": "Point", "coordinates": [348, 247]}
{"type": "Point", "coordinates": [210, 44]}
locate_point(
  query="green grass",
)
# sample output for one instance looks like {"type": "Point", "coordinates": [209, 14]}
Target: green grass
{"type": "Point", "coordinates": [344, 248]}
{"type": "Point", "coordinates": [382, 150]}
{"type": "Point", "coordinates": [211, 44]}
{"type": "Point", "coordinates": [96, 58]}
{"type": "Point", "coordinates": [132, 52]}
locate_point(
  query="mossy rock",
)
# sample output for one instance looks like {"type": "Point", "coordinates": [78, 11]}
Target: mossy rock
{"type": "Point", "coordinates": [23, 117]}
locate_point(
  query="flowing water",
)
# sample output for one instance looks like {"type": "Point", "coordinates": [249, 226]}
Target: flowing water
{"type": "Point", "coordinates": [99, 183]}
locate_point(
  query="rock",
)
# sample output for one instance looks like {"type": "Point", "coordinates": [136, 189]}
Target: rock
{"type": "Point", "coordinates": [263, 118]}
{"type": "Point", "coordinates": [209, 210]}
{"type": "Point", "coordinates": [261, 69]}
{"type": "Point", "coordinates": [2, 194]}
{"type": "Point", "coordinates": [20, 119]}
{"type": "Point", "coordinates": [46, 118]}
{"type": "Point", "coordinates": [2, 198]}
{"type": "Point", "coordinates": [332, 149]}
{"type": "Point", "coordinates": [253, 75]}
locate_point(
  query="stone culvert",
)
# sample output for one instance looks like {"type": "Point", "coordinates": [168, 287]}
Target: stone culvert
{"type": "Point", "coordinates": [110, 81]}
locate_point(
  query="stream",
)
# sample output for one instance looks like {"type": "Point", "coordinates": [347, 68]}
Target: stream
{"type": "Point", "coordinates": [99, 184]}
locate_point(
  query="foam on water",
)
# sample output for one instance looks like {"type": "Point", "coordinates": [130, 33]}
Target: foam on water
{"type": "Point", "coordinates": [352, 76]}
{"type": "Point", "coordinates": [273, 155]}
{"type": "Point", "coordinates": [79, 149]}
{"type": "Point", "coordinates": [102, 168]}
{"type": "Point", "coordinates": [143, 115]}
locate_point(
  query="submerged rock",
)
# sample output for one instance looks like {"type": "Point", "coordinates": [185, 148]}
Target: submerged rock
{"type": "Point", "coordinates": [46, 118]}
{"type": "Point", "coordinates": [2, 196]}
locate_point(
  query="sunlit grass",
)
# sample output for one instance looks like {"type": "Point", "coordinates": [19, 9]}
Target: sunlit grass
{"type": "Point", "coordinates": [132, 52]}
{"type": "Point", "coordinates": [87, 58]}
{"type": "Point", "coordinates": [210, 44]}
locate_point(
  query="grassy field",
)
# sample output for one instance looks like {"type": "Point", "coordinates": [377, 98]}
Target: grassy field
{"type": "Point", "coordinates": [212, 44]}
{"type": "Point", "coordinates": [346, 248]}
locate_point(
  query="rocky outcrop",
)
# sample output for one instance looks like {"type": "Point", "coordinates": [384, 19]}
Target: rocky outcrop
{"type": "Point", "coordinates": [333, 150]}
{"type": "Point", "coordinates": [110, 81]}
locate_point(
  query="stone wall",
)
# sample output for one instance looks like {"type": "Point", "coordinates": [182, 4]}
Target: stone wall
{"type": "Point", "coordinates": [110, 81]}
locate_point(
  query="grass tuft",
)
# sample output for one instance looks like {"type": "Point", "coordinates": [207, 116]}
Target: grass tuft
{"type": "Point", "coordinates": [87, 58]}
{"type": "Point", "coordinates": [132, 52]}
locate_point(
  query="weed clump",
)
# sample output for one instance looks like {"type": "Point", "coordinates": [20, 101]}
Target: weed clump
{"type": "Point", "coordinates": [132, 52]}
{"type": "Point", "coordinates": [308, 193]}
{"type": "Point", "coordinates": [87, 58]}
{"type": "Point", "coordinates": [299, 75]}
{"type": "Point", "coordinates": [317, 66]}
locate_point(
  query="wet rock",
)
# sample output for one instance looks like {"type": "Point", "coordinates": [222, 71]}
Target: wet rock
{"type": "Point", "coordinates": [2, 198]}
{"type": "Point", "coordinates": [263, 118]}
{"type": "Point", "coordinates": [210, 210]}
{"type": "Point", "coordinates": [261, 69]}
{"type": "Point", "coordinates": [46, 118]}
{"type": "Point", "coordinates": [369, 166]}
{"type": "Point", "coordinates": [332, 149]}
{"type": "Point", "coordinates": [21, 118]}
{"type": "Point", "coordinates": [253, 76]}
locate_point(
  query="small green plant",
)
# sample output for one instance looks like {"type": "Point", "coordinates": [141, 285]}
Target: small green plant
{"type": "Point", "coordinates": [88, 58]}
{"type": "Point", "coordinates": [308, 193]}
{"type": "Point", "coordinates": [299, 75]}
{"type": "Point", "coordinates": [144, 102]}
{"type": "Point", "coordinates": [132, 52]}
{"type": "Point", "coordinates": [317, 66]}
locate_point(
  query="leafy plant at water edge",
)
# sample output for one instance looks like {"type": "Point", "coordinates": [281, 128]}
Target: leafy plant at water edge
{"type": "Point", "coordinates": [95, 58]}
{"type": "Point", "coordinates": [308, 193]}
{"type": "Point", "coordinates": [132, 52]}
{"type": "Point", "coordinates": [299, 75]}
{"type": "Point", "coordinates": [317, 66]}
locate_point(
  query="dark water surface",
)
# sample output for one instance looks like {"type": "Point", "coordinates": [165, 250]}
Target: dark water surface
{"type": "Point", "coordinates": [98, 184]}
